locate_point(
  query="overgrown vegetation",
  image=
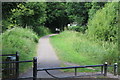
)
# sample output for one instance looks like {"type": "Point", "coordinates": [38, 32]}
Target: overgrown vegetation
{"type": "Point", "coordinates": [97, 44]}
{"type": "Point", "coordinates": [22, 40]}
{"type": "Point", "coordinates": [103, 28]}
{"type": "Point", "coordinates": [42, 31]}
{"type": "Point", "coordinates": [104, 24]}
{"type": "Point", "coordinates": [76, 48]}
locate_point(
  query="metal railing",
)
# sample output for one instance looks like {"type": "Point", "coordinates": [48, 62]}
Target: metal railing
{"type": "Point", "coordinates": [103, 68]}
{"type": "Point", "coordinates": [13, 66]}
{"type": "Point", "coordinates": [10, 70]}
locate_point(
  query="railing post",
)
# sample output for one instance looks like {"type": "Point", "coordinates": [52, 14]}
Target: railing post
{"type": "Point", "coordinates": [101, 69]}
{"type": "Point", "coordinates": [17, 65]}
{"type": "Point", "coordinates": [75, 71]}
{"type": "Point", "coordinates": [115, 69]}
{"type": "Point", "coordinates": [34, 68]}
{"type": "Point", "coordinates": [105, 69]}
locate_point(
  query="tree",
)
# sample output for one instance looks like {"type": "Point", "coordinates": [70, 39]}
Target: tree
{"type": "Point", "coordinates": [94, 7]}
{"type": "Point", "coordinates": [6, 14]}
{"type": "Point", "coordinates": [78, 12]}
{"type": "Point", "coordinates": [56, 15]}
{"type": "Point", "coordinates": [29, 14]}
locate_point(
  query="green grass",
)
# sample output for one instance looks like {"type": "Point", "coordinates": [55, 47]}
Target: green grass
{"type": "Point", "coordinates": [76, 48]}
{"type": "Point", "coordinates": [80, 69]}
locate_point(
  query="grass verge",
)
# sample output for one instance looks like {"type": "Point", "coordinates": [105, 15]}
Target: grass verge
{"type": "Point", "coordinates": [74, 47]}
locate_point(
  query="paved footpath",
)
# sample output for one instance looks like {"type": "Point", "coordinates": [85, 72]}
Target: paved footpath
{"type": "Point", "coordinates": [47, 59]}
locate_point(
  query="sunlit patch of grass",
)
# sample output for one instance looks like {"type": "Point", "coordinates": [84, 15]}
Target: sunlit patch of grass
{"type": "Point", "coordinates": [76, 48]}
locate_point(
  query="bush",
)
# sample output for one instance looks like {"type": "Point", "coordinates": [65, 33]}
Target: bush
{"type": "Point", "coordinates": [21, 40]}
{"type": "Point", "coordinates": [103, 25]}
{"type": "Point", "coordinates": [41, 30]}
{"type": "Point", "coordinates": [77, 28]}
{"type": "Point", "coordinates": [6, 24]}
{"type": "Point", "coordinates": [103, 28]}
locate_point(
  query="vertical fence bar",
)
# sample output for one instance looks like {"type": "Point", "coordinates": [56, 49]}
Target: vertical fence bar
{"type": "Point", "coordinates": [105, 69]}
{"type": "Point", "coordinates": [75, 71]}
{"type": "Point", "coordinates": [17, 65]}
{"type": "Point", "coordinates": [34, 68]}
{"type": "Point", "coordinates": [101, 69]}
{"type": "Point", "coordinates": [8, 71]}
{"type": "Point", "coordinates": [115, 69]}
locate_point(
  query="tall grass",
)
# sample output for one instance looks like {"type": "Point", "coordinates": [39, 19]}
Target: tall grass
{"type": "Point", "coordinates": [76, 48]}
{"type": "Point", "coordinates": [22, 40]}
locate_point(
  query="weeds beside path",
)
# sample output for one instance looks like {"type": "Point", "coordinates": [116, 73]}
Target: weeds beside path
{"type": "Point", "coordinates": [47, 58]}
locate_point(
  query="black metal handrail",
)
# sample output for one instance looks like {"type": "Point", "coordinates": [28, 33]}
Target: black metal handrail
{"type": "Point", "coordinates": [8, 55]}
{"type": "Point", "coordinates": [104, 67]}
{"type": "Point", "coordinates": [4, 62]}
{"type": "Point", "coordinates": [56, 68]}
{"type": "Point", "coordinates": [104, 70]}
{"type": "Point", "coordinates": [72, 67]}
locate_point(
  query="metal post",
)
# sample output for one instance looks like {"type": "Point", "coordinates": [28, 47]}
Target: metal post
{"type": "Point", "coordinates": [34, 68]}
{"type": "Point", "coordinates": [75, 71]}
{"type": "Point", "coordinates": [115, 69]}
{"type": "Point", "coordinates": [105, 69]}
{"type": "Point", "coordinates": [17, 65]}
{"type": "Point", "coordinates": [101, 69]}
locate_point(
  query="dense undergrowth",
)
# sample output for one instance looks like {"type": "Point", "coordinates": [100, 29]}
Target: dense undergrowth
{"type": "Point", "coordinates": [42, 31]}
{"type": "Point", "coordinates": [22, 40]}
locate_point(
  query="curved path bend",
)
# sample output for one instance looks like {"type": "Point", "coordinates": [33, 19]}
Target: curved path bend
{"type": "Point", "coordinates": [47, 58]}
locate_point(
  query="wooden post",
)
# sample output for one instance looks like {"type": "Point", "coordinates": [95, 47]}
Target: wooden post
{"type": "Point", "coordinates": [34, 68]}
{"type": "Point", "coordinates": [105, 69]}
{"type": "Point", "coordinates": [17, 65]}
{"type": "Point", "coordinates": [115, 69]}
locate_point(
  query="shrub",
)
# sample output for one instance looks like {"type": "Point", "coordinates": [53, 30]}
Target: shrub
{"type": "Point", "coordinates": [78, 28]}
{"type": "Point", "coordinates": [21, 40]}
{"type": "Point", "coordinates": [6, 24]}
{"type": "Point", "coordinates": [103, 28]}
{"type": "Point", "coordinates": [103, 25]}
{"type": "Point", "coordinates": [41, 30]}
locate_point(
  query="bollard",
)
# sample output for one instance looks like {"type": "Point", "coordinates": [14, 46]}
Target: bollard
{"type": "Point", "coordinates": [105, 69]}
{"type": "Point", "coordinates": [34, 68]}
{"type": "Point", "coordinates": [115, 69]}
